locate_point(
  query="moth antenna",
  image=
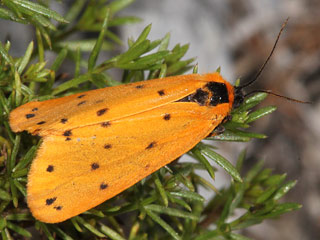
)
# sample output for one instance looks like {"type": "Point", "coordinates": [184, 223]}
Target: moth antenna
{"type": "Point", "coordinates": [277, 95]}
{"type": "Point", "coordinates": [268, 58]}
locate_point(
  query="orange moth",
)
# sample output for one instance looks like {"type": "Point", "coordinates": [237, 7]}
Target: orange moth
{"type": "Point", "coordinates": [98, 143]}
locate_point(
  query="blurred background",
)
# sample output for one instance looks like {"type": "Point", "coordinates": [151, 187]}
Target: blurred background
{"type": "Point", "coordinates": [238, 36]}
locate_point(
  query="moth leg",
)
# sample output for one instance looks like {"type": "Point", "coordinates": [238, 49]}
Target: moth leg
{"type": "Point", "coordinates": [220, 128]}
{"type": "Point", "coordinates": [227, 118]}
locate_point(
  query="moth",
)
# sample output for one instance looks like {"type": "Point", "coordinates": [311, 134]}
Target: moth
{"type": "Point", "coordinates": [98, 143]}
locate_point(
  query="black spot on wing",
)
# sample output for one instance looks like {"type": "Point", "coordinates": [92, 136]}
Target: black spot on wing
{"type": "Point", "coordinates": [81, 96]}
{"type": "Point", "coordinates": [105, 124]}
{"type": "Point", "coordinates": [34, 109]}
{"type": "Point", "coordinates": [167, 116]}
{"type": "Point", "coordinates": [151, 145]}
{"type": "Point", "coordinates": [94, 166]}
{"type": "Point", "coordinates": [49, 201]}
{"type": "Point", "coordinates": [42, 122]}
{"type": "Point", "coordinates": [50, 168]}
{"type": "Point", "coordinates": [68, 139]}
{"type": "Point", "coordinates": [81, 103]}
{"type": "Point", "coordinates": [99, 101]}
{"type": "Point", "coordinates": [102, 111]}
{"type": "Point", "coordinates": [103, 186]}
{"type": "Point", "coordinates": [30, 115]}
{"type": "Point", "coordinates": [107, 146]}
{"type": "Point", "coordinates": [161, 92]}
{"type": "Point", "coordinates": [64, 120]}
{"type": "Point", "coordinates": [139, 86]}
{"type": "Point", "coordinates": [58, 208]}
{"type": "Point", "coordinates": [67, 133]}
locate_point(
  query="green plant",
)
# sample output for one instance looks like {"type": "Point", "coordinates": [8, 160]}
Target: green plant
{"type": "Point", "coordinates": [164, 205]}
